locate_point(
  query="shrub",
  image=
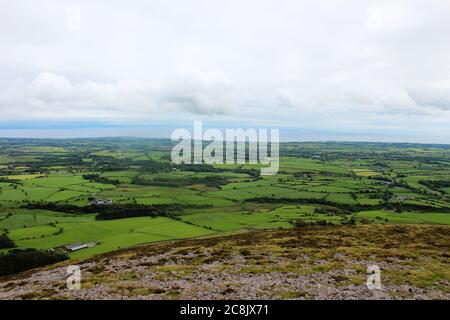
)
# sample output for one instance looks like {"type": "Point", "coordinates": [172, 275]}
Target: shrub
{"type": "Point", "coordinates": [18, 260]}
{"type": "Point", "coordinates": [6, 242]}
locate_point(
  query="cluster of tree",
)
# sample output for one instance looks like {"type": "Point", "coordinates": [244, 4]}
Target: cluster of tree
{"type": "Point", "coordinates": [99, 179]}
{"type": "Point", "coordinates": [44, 162]}
{"type": "Point", "coordinates": [106, 163]}
{"type": "Point", "coordinates": [135, 210]}
{"type": "Point", "coordinates": [305, 174]}
{"type": "Point", "coordinates": [130, 211]}
{"type": "Point", "coordinates": [209, 168]}
{"type": "Point", "coordinates": [299, 223]}
{"type": "Point", "coordinates": [160, 181]}
{"type": "Point", "coordinates": [153, 166]}
{"type": "Point", "coordinates": [53, 206]}
{"type": "Point", "coordinates": [9, 215]}
{"type": "Point", "coordinates": [341, 206]}
{"type": "Point", "coordinates": [435, 184]}
{"type": "Point", "coordinates": [395, 206]}
{"type": "Point", "coordinates": [330, 211]}
{"type": "Point", "coordinates": [197, 167]}
{"type": "Point", "coordinates": [211, 181]}
{"type": "Point", "coordinates": [115, 211]}
{"type": "Point", "coordinates": [49, 160]}
{"type": "Point", "coordinates": [6, 242]}
{"type": "Point", "coordinates": [400, 207]}
{"type": "Point", "coordinates": [381, 164]}
{"type": "Point", "coordinates": [381, 178]}
{"type": "Point", "coordinates": [351, 221]}
{"type": "Point", "coordinates": [6, 180]}
{"type": "Point", "coordinates": [18, 260]}
{"type": "Point", "coordinates": [251, 172]}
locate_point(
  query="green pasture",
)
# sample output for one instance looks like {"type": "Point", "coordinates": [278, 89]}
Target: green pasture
{"type": "Point", "coordinates": [111, 235]}
{"type": "Point", "coordinates": [407, 217]}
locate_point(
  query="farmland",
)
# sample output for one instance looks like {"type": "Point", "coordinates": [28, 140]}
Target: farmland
{"type": "Point", "coordinates": [49, 188]}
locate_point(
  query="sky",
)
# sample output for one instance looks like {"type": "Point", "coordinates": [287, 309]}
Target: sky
{"type": "Point", "coordinates": [328, 69]}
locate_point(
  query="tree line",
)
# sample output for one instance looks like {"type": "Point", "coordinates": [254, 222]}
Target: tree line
{"type": "Point", "coordinates": [115, 211]}
{"type": "Point", "coordinates": [395, 206]}
{"type": "Point", "coordinates": [6, 242]}
{"type": "Point", "coordinates": [18, 260]}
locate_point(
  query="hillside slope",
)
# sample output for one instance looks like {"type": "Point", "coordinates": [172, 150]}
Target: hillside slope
{"type": "Point", "coordinates": [303, 263]}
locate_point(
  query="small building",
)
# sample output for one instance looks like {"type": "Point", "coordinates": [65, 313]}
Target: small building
{"type": "Point", "coordinates": [76, 246]}
{"type": "Point", "coordinates": [100, 202]}
{"type": "Point", "coordinates": [402, 198]}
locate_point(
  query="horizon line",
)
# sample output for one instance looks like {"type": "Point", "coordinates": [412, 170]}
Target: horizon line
{"type": "Point", "coordinates": [168, 138]}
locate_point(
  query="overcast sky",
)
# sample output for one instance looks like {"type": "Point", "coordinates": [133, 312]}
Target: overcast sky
{"type": "Point", "coordinates": [377, 68]}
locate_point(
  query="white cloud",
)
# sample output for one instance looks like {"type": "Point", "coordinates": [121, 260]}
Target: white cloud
{"type": "Point", "coordinates": [199, 92]}
{"type": "Point", "coordinates": [286, 98]}
{"type": "Point", "coordinates": [55, 97]}
{"type": "Point", "coordinates": [435, 97]}
{"type": "Point", "coordinates": [234, 60]}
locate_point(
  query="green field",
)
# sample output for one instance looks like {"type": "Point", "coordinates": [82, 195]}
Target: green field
{"type": "Point", "coordinates": [47, 189]}
{"type": "Point", "coordinates": [407, 217]}
{"type": "Point", "coordinates": [110, 235]}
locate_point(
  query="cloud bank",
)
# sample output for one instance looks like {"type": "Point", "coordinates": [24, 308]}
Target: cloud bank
{"type": "Point", "coordinates": [359, 62]}
{"type": "Point", "coordinates": [51, 96]}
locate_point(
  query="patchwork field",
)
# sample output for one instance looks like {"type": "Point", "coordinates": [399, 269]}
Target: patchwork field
{"type": "Point", "coordinates": [117, 193]}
